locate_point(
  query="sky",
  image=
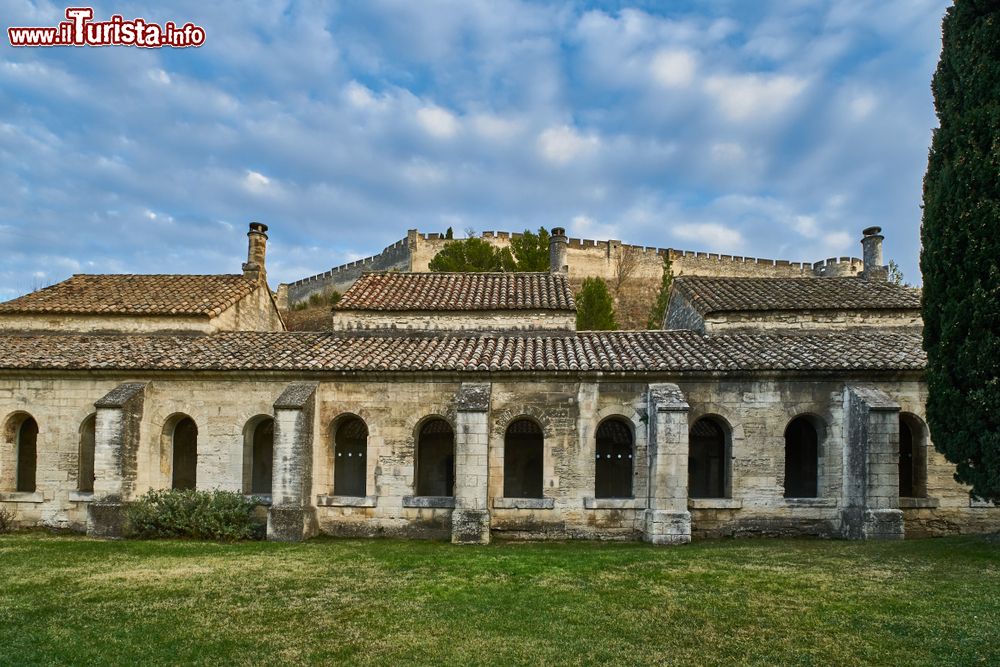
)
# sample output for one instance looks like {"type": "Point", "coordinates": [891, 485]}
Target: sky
{"type": "Point", "coordinates": [774, 129]}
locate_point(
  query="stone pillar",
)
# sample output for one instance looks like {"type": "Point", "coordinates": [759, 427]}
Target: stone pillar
{"type": "Point", "coordinates": [871, 246]}
{"type": "Point", "coordinates": [255, 268]}
{"type": "Point", "coordinates": [292, 516]}
{"type": "Point", "coordinates": [470, 520]}
{"type": "Point", "coordinates": [116, 449]}
{"type": "Point", "coordinates": [557, 251]}
{"type": "Point", "coordinates": [667, 520]}
{"type": "Point", "coordinates": [871, 466]}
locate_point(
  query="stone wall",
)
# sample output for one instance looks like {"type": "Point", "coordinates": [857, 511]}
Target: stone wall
{"type": "Point", "coordinates": [812, 321]}
{"type": "Point", "coordinates": [586, 258]}
{"type": "Point", "coordinates": [753, 409]}
{"type": "Point", "coordinates": [516, 320]}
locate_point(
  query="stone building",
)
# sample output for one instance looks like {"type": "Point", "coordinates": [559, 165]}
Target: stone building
{"type": "Point", "coordinates": [442, 427]}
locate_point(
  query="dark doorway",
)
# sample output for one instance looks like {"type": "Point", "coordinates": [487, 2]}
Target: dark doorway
{"type": "Point", "coordinates": [262, 457]}
{"type": "Point", "coordinates": [85, 471]}
{"type": "Point", "coordinates": [436, 459]}
{"type": "Point", "coordinates": [801, 459]}
{"type": "Point", "coordinates": [906, 460]}
{"type": "Point", "coordinates": [185, 454]}
{"type": "Point", "coordinates": [707, 460]}
{"type": "Point", "coordinates": [350, 467]}
{"type": "Point", "coordinates": [523, 453]}
{"type": "Point", "coordinates": [613, 466]}
{"type": "Point", "coordinates": [27, 455]}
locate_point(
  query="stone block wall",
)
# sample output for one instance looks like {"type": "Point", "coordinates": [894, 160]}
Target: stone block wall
{"type": "Point", "coordinates": [511, 320]}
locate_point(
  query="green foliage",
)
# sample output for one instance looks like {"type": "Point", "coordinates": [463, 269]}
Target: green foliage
{"type": "Point", "coordinates": [319, 299]}
{"type": "Point", "coordinates": [6, 521]}
{"type": "Point", "coordinates": [530, 251]}
{"type": "Point", "coordinates": [960, 256]}
{"type": "Point", "coordinates": [450, 234]}
{"type": "Point", "coordinates": [660, 307]}
{"type": "Point", "coordinates": [205, 515]}
{"type": "Point", "coordinates": [472, 254]}
{"type": "Point", "coordinates": [896, 274]}
{"type": "Point", "coordinates": [595, 310]}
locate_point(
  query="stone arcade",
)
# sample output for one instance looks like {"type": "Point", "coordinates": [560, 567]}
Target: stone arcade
{"type": "Point", "coordinates": [766, 406]}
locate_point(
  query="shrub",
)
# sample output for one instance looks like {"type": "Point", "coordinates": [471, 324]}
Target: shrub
{"type": "Point", "coordinates": [595, 309]}
{"type": "Point", "coordinates": [204, 515]}
{"type": "Point", "coordinates": [6, 521]}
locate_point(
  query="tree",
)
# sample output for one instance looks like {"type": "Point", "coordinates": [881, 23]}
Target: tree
{"type": "Point", "coordinates": [471, 255]}
{"type": "Point", "coordinates": [660, 307]}
{"type": "Point", "coordinates": [450, 233]}
{"type": "Point", "coordinates": [896, 274]}
{"type": "Point", "coordinates": [626, 263]}
{"type": "Point", "coordinates": [595, 309]}
{"type": "Point", "coordinates": [960, 256]}
{"type": "Point", "coordinates": [530, 251]}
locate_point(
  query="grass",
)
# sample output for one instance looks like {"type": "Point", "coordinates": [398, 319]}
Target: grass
{"type": "Point", "coordinates": [71, 600]}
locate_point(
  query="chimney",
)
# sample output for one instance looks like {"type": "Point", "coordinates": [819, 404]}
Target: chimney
{"type": "Point", "coordinates": [871, 243]}
{"type": "Point", "coordinates": [254, 268]}
{"type": "Point", "coordinates": [557, 251]}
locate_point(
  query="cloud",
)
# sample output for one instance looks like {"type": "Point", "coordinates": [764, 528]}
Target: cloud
{"type": "Point", "coordinates": [437, 122]}
{"type": "Point", "coordinates": [256, 181]}
{"type": "Point", "coordinates": [673, 68]}
{"type": "Point", "coordinates": [719, 238]}
{"type": "Point", "coordinates": [563, 144]}
{"type": "Point", "coordinates": [754, 96]}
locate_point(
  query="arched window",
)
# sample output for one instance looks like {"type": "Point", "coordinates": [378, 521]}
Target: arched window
{"type": "Point", "coordinates": [27, 455]}
{"type": "Point", "coordinates": [350, 457]}
{"type": "Point", "coordinates": [258, 455]}
{"type": "Point", "coordinates": [85, 460]}
{"type": "Point", "coordinates": [707, 459]}
{"type": "Point", "coordinates": [184, 441]}
{"type": "Point", "coordinates": [912, 457]}
{"type": "Point", "coordinates": [523, 453]}
{"type": "Point", "coordinates": [801, 459]}
{"type": "Point", "coordinates": [613, 466]}
{"type": "Point", "coordinates": [436, 459]}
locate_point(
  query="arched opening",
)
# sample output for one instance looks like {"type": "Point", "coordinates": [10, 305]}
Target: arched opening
{"type": "Point", "coordinates": [912, 457]}
{"type": "Point", "coordinates": [350, 457]}
{"type": "Point", "coordinates": [85, 459]}
{"type": "Point", "coordinates": [801, 459]}
{"type": "Point", "coordinates": [184, 444]}
{"type": "Point", "coordinates": [27, 455]}
{"type": "Point", "coordinates": [436, 459]}
{"type": "Point", "coordinates": [615, 453]}
{"type": "Point", "coordinates": [707, 445]}
{"type": "Point", "coordinates": [523, 454]}
{"type": "Point", "coordinates": [261, 456]}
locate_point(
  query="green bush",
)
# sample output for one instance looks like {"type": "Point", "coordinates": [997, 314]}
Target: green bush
{"type": "Point", "coordinates": [204, 515]}
{"type": "Point", "coordinates": [7, 521]}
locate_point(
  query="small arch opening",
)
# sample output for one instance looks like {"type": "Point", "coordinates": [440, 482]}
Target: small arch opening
{"type": "Point", "coordinates": [615, 451]}
{"type": "Point", "coordinates": [708, 445]}
{"type": "Point", "coordinates": [258, 455]}
{"type": "Point", "coordinates": [801, 458]}
{"type": "Point", "coordinates": [350, 457]}
{"type": "Point", "coordinates": [912, 457]}
{"type": "Point", "coordinates": [85, 458]}
{"type": "Point", "coordinates": [27, 455]}
{"type": "Point", "coordinates": [435, 459]}
{"type": "Point", "coordinates": [523, 456]}
{"type": "Point", "coordinates": [184, 447]}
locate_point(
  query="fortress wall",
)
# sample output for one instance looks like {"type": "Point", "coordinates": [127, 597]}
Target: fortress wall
{"type": "Point", "coordinates": [395, 257]}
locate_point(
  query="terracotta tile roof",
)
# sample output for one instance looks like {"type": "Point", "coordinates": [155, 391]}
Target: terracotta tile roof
{"type": "Point", "coordinates": [713, 295]}
{"type": "Point", "coordinates": [131, 294]}
{"type": "Point", "coordinates": [634, 351]}
{"type": "Point", "coordinates": [458, 291]}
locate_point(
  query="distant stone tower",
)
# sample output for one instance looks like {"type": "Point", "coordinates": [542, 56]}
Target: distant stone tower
{"type": "Point", "coordinates": [557, 251]}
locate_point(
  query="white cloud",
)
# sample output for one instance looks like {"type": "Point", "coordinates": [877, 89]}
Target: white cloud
{"type": "Point", "coordinates": [751, 96]}
{"type": "Point", "coordinates": [360, 96]}
{"type": "Point", "coordinates": [862, 105]}
{"type": "Point", "coordinates": [837, 242]}
{"type": "Point", "coordinates": [438, 122]}
{"type": "Point", "coordinates": [673, 68]}
{"type": "Point", "coordinates": [159, 76]}
{"type": "Point", "coordinates": [806, 225]}
{"type": "Point", "coordinates": [494, 127]}
{"type": "Point", "coordinates": [585, 226]}
{"type": "Point", "coordinates": [563, 144]}
{"type": "Point", "coordinates": [256, 181]}
{"type": "Point", "coordinates": [710, 236]}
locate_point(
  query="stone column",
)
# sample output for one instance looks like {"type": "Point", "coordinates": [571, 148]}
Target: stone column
{"type": "Point", "coordinates": [470, 520]}
{"type": "Point", "coordinates": [116, 449]}
{"type": "Point", "coordinates": [292, 516]}
{"type": "Point", "coordinates": [871, 466]}
{"type": "Point", "coordinates": [667, 520]}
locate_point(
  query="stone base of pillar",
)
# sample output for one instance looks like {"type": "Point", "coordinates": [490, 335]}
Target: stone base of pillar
{"type": "Point", "coordinates": [470, 527]}
{"type": "Point", "coordinates": [290, 524]}
{"type": "Point", "coordinates": [666, 527]}
{"type": "Point", "coordinates": [106, 518]}
{"type": "Point", "coordinates": [883, 525]}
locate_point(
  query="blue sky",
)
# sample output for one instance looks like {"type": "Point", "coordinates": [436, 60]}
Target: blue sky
{"type": "Point", "coordinates": [774, 129]}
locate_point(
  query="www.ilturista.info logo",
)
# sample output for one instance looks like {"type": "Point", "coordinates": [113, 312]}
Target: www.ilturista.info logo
{"type": "Point", "coordinates": [80, 30]}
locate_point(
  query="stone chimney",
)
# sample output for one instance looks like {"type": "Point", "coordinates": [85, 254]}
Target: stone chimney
{"type": "Point", "coordinates": [557, 251]}
{"type": "Point", "coordinates": [254, 268]}
{"type": "Point", "coordinates": [871, 243]}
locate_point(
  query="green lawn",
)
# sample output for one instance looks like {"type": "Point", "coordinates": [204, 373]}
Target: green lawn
{"type": "Point", "coordinates": [70, 600]}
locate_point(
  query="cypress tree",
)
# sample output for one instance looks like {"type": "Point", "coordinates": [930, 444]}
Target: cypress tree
{"type": "Point", "coordinates": [960, 255]}
{"type": "Point", "coordinates": [595, 310]}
